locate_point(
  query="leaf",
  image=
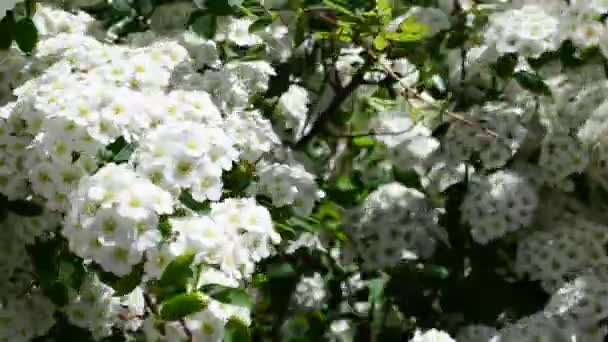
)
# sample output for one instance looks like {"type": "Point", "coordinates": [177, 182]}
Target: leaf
{"type": "Point", "coordinates": [236, 331]}
{"type": "Point", "coordinates": [217, 7]}
{"type": "Point", "coordinates": [302, 26]}
{"type": "Point", "coordinates": [7, 29]}
{"type": "Point", "coordinates": [228, 295]}
{"type": "Point", "coordinates": [205, 26]}
{"type": "Point", "coordinates": [260, 24]}
{"type": "Point", "coordinates": [385, 11]}
{"type": "Point", "coordinates": [364, 142]}
{"type": "Point", "coordinates": [185, 197]}
{"type": "Point", "coordinates": [338, 7]}
{"type": "Point", "coordinates": [176, 276]}
{"type": "Point", "coordinates": [26, 35]}
{"type": "Point", "coordinates": [345, 32]}
{"type": "Point", "coordinates": [125, 153]}
{"type": "Point", "coordinates": [505, 65]}
{"type": "Point", "coordinates": [25, 208]}
{"type": "Point", "coordinates": [410, 30]}
{"type": "Point", "coordinates": [183, 305]}
{"type": "Point", "coordinates": [121, 6]}
{"type": "Point", "coordinates": [281, 270]}
{"type": "Point", "coordinates": [125, 285]}
{"type": "Point", "coordinates": [380, 43]}
{"type": "Point", "coordinates": [532, 83]}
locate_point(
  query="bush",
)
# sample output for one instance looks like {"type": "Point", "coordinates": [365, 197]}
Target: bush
{"type": "Point", "coordinates": [303, 170]}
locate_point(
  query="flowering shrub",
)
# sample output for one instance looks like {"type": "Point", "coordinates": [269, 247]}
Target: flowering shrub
{"type": "Point", "coordinates": [303, 170]}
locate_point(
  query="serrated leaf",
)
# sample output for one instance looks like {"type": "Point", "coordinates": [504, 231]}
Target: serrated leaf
{"type": "Point", "coordinates": [26, 35]}
{"type": "Point", "coordinates": [7, 31]}
{"type": "Point", "coordinates": [228, 295]}
{"type": "Point", "coordinates": [236, 331]}
{"type": "Point", "coordinates": [532, 83]}
{"type": "Point", "coordinates": [183, 305]}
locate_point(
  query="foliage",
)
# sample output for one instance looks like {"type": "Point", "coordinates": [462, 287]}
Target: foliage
{"type": "Point", "coordinates": [303, 170]}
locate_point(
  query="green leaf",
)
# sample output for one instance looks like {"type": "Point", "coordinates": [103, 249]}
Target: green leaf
{"type": "Point", "coordinates": [364, 142]}
{"type": "Point", "coordinates": [505, 65]}
{"type": "Point", "coordinates": [345, 32]}
{"type": "Point", "coordinates": [205, 25]}
{"type": "Point", "coordinates": [281, 270]}
{"type": "Point", "coordinates": [338, 7]}
{"type": "Point", "coordinates": [7, 31]}
{"type": "Point", "coordinates": [410, 30]}
{"type": "Point", "coordinates": [26, 35]}
{"type": "Point", "coordinates": [125, 285]}
{"type": "Point", "coordinates": [302, 26]}
{"type": "Point", "coordinates": [121, 6]}
{"type": "Point", "coordinates": [236, 331]}
{"type": "Point", "coordinates": [532, 83]}
{"type": "Point", "coordinates": [183, 305]}
{"type": "Point", "coordinates": [380, 42]}
{"type": "Point", "coordinates": [176, 276]}
{"type": "Point", "coordinates": [186, 199]}
{"type": "Point", "coordinates": [217, 7]}
{"type": "Point", "coordinates": [260, 24]}
{"type": "Point", "coordinates": [125, 153]}
{"type": "Point", "coordinates": [228, 295]}
{"type": "Point", "coordinates": [385, 11]}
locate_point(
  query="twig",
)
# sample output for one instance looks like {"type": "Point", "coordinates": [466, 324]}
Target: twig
{"type": "Point", "coordinates": [406, 92]}
{"type": "Point", "coordinates": [320, 124]}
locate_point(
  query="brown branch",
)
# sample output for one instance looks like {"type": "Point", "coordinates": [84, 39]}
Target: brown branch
{"type": "Point", "coordinates": [406, 92]}
{"type": "Point", "coordinates": [320, 124]}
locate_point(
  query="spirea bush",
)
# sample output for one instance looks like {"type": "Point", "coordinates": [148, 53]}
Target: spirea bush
{"type": "Point", "coordinates": [304, 170]}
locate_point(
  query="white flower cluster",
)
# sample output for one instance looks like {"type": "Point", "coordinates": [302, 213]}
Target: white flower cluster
{"type": "Point", "coordinates": [235, 235]}
{"type": "Point", "coordinates": [25, 318]}
{"type": "Point", "coordinates": [432, 335]}
{"type": "Point", "coordinates": [564, 248]}
{"type": "Point", "coordinates": [394, 223]}
{"type": "Point", "coordinates": [64, 107]}
{"type": "Point", "coordinates": [499, 119]}
{"type": "Point", "coordinates": [501, 203]}
{"type": "Point", "coordinates": [289, 186]}
{"type": "Point", "coordinates": [114, 216]}
{"type": "Point", "coordinates": [310, 292]}
{"type": "Point", "coordinates": [96, 309]}
{"type": "Point", "coordinates": [187, 155]}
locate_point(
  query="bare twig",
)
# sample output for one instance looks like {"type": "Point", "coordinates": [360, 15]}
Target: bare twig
{"type": "Point", "coordinates": [407, 92]}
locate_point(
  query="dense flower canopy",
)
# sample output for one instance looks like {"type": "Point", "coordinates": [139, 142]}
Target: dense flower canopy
{"type": "Point", "coordinates": [304, 170]}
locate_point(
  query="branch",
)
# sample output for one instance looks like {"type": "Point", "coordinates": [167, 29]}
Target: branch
{"type": "Point", "coordinates": [406, 92]}
{"type": "Point", "coordinates": [319, 125]}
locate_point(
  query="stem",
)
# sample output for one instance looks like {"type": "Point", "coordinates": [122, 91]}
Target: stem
{"type": "Point", "coordinates": [320, 125]}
